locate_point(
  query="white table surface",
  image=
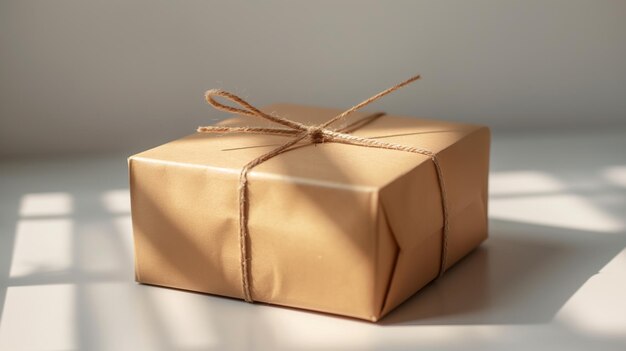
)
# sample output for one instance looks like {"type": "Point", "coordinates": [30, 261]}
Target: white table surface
{"type": "Point", "coordinates": [552, 275]}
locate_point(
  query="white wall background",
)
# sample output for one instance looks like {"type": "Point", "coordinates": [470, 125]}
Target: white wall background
{"type": "Point", "coordinates": [98, 76]}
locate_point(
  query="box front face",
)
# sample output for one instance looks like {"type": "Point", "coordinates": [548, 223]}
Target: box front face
{"type": "Point", "coordinates": [184, 227]}
{"type": "Point", "coordinates": [311, 246]}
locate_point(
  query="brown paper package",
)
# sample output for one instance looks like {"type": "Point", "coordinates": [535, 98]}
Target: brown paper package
{"type": "Point", "coordinates": [335, 228]}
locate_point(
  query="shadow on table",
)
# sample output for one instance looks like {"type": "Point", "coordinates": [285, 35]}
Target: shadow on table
{"type": "Point", "coordinates": [523, 274]}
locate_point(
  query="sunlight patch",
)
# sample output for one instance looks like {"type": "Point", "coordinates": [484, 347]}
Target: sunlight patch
{"type": "Point", "coordinates": [616, 175]}
{"type": "Point", "coordinates": [39, 317]}
{"type": "Point", "coordinates": [523, 182]}
{"type": "Point", "coordinates": [593, 309]}
{"type": "Point", "coordinates": [116, 201]}
{"type": "Point", "coordinates": [42, 246]}
{"type": "Point", "coordinates": [564, 211]}
{"type": "Point", "coordinates": [46, 204]}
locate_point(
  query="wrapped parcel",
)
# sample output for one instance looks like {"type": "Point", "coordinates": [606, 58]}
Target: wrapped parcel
{"type": "Point", "coordinates": [335, 228]}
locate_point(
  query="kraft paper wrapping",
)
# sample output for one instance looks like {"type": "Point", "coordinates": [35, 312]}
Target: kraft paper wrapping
{"type": "Point", "coordinates": [334, 228]}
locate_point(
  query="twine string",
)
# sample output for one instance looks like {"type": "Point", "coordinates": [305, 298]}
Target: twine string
{"type": "Point", "coordinates": [310, 134]}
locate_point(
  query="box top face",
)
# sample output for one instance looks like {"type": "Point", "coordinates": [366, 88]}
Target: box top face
{"type": "Point", "coordinates": [332, 164]}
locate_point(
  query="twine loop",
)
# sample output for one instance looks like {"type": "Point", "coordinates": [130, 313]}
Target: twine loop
{"type": "Point", "coordinates": [311, 134]}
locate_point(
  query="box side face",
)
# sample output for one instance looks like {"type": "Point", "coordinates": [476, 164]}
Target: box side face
{"type": "Point", "coordinates": [414, 211]}
{"type": "Point", "coordinates": [467, 164]}
{"type": "Point", "coordinates": [388, 251]}
{"type": "Point", "coordinates": [183, 228]}
{"type": "Point", "coordinates": [412, 207]}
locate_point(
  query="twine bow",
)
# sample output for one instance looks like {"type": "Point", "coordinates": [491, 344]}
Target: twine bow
{"type": "Point", "coordinates": [313, 134]}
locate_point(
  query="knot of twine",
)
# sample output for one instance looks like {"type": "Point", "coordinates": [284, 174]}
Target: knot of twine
{"type": "Point", "coordinates": [316, 134]}
{"type": "Point", "coordinates": [313, 134]}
